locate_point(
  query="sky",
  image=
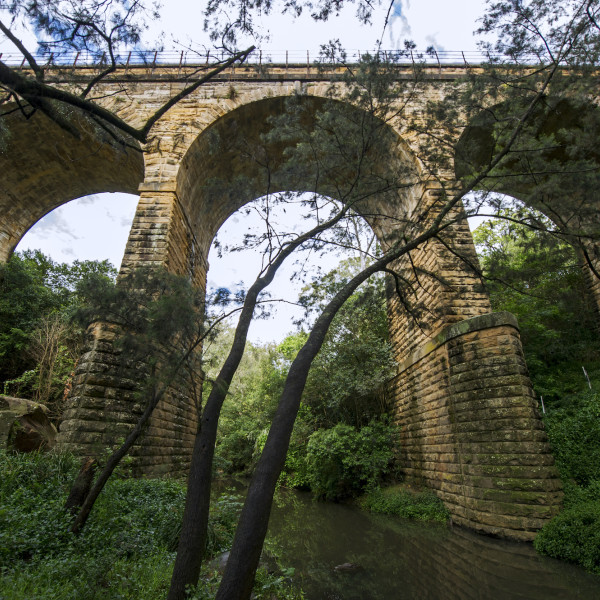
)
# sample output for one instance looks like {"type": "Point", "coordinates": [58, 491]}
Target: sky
{"type": "Point", "coordinates": [96, 227]}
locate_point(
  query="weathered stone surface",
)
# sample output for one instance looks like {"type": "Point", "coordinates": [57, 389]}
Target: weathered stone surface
{"type": "Point", "coordinates": [24, 425]}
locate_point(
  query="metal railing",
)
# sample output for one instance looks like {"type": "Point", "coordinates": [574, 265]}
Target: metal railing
{"type": "Point", "coordinates": [151, 58]}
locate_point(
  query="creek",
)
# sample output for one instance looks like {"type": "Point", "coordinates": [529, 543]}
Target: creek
{"type": "Point", "coordinates": [397, 559]}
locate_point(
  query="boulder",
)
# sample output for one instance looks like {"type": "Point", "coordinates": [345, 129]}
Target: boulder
{"type": "Point", "coordinates": [24, 425]}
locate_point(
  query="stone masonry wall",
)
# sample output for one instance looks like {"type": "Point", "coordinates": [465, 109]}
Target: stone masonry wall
{"type": "Point", "coordinates": [469, 424]}
{"type": "Point", "coordinates": [103, 406]}
{"type": "Point", "coordinates": [470, 430]}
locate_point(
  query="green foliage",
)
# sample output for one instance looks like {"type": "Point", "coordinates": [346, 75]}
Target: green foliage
{"type": "Point", "coordinates": [537, 277]}
{"type": "Point", "coordinates": [347, 379]}
{"type": "Point", "coordinates": [344, 461]}
{"type": "Point", "coordinates": [38, 345]}
{"type": "Point", "coordinates": [574, 534]}
{"type": "Point", "coordinates": [267, 586]}
{"type": "Point", "coordinates": [126, 550]}
{"type": "Point", "coordinates": [574, 433]}
{"type": "Point", "coordinates": [345, 384]}
{"type": "Point", "coordinates": [421, 506]}
{"type": "Point", "coordinates": [157, 317]}
{"type": "Point", "coordinates": [252, 399]}
{"type": "Point", "coordinates": [296, 470]}
{"type": "Point", "coordinates": [223, 520]}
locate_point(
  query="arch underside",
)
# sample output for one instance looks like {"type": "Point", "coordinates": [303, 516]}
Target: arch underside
{"type": "Point", "coordinates": [44, 166]}
{"type": "Point", "coordinates": [244, 156]}
{"type": "Point", "coordinates": [555, 169]}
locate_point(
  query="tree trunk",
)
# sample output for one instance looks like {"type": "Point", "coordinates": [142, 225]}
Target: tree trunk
{"type": "Point", "coordinates": [112, 463]}
{"type": "Point", "coordinates": [244, 557]}
{"type": "Point", "coordinates": [82, 484]}
{"type": "Point", "coordinates": [194, 528]}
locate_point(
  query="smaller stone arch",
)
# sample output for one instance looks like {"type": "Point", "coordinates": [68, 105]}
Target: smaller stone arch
{"type": "Point", "coordinates": [555, 170]}
{"type": "Point", "coordinates": [44, 166]}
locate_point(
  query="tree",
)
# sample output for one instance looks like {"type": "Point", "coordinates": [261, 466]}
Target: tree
{"type": "Point", "coordinates": [347, 379]}
{"type": "Point", "coordinates": [101, 29]}
{"type": "Point", "coordinates": [192, 541]}
{"type": "Point", "coordinates": [539, 279]}
{"type": "Point", "coordinates": [38, 344]}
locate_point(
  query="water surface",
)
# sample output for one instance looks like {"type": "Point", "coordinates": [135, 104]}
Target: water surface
{"type": "Point", "coordinates": [399, 559]}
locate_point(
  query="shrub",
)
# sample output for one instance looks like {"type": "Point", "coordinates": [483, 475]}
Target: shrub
{"type": "Point", "coordinates": [574, 535]}
{"type": "Point", "coordinates": [342, 461]}
{"type": "Point", "coordinates": [574, 433]}
{"type": "Point", "coordinates": [422, 506]}
{"type": "Point", "coordinates": [125, 550]}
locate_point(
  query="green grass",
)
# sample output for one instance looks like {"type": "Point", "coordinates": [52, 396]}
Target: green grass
{"type": "Point", "coordinates": [408, 504]}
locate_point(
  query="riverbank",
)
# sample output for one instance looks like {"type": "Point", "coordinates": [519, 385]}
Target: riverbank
{"type": "Point", "coordinates": [127, 549]}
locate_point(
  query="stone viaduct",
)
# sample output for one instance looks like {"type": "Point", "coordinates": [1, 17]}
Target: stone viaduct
{"type": "Point", "coordinates": [470, 429]}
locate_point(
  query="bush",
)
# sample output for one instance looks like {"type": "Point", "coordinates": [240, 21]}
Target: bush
{"type": "Point", "coordinates": [422, 506]}
{"type": "Point", "coordinates": [574, 535]}
{"type": "Point", "coordinates": [574, 433]}
{"type": "Point", "coordinates": [342, 461]}
{"type": "Point", "coordinates": [125, 552]}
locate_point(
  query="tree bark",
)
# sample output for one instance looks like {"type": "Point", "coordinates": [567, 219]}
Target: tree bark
{"type": "Point", "coordinates": [82, 484]}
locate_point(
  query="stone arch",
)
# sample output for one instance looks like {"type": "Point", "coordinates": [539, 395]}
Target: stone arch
{"type": "Point", "coordinates": [470, 429]}
{"type": "Point", "coordinates": [44, 166]}
{"type": "Point", "coordinates": [215, 158]}
{"type": "Point", "coordinates": [569, 198]}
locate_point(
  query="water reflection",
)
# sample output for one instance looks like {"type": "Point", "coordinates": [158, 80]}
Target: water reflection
{"type": "Point", "coordinates": [398, 559]}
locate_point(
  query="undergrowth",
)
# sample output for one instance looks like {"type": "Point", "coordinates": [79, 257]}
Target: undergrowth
{"type": "Point", "coordinates": [126, 550]}
{"type": "Point", "coordinates": [574, 435]}
{"type": "Point", "coordinates": [421, 506]}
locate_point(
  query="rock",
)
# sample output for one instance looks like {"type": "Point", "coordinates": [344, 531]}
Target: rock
{"type": "Point", "coordinates": [347, 567]}
{"type": "Point", "coordinates": [220, 562]}
{"type": "Point", "coordinates": [24, 425]}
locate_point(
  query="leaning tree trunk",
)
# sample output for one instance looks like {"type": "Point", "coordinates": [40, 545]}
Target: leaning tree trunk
{"type": "Point", "coordinates": [112, 463]}
{"type": "Point", "coordinates": [194, 528]}
{"type": "Point", "coordinates": [244, 557]}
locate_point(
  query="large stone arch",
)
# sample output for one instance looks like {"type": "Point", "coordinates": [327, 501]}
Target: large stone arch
{"type": "Point", "coordinates": [44, 166]}
{"type": "Point", "coordinates": [469, 425]}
